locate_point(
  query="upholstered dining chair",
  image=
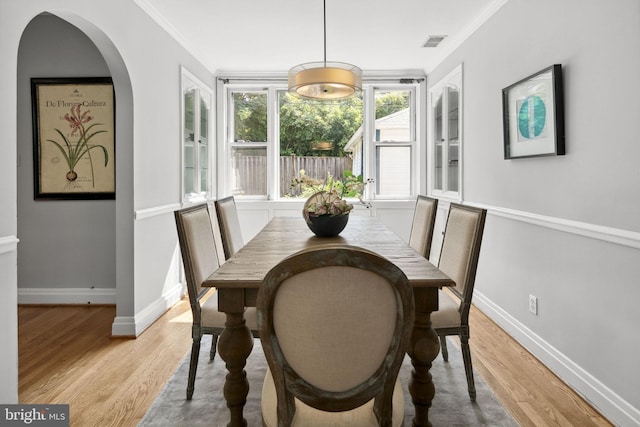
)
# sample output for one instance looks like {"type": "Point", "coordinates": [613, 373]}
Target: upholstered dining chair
{"type": "Point", "coordinates": [199, 257]}
{"type": "Point", "coordinates": [217, 234]}
{"type": "Point", "coordinates": [459, 260]}
{"type": "Point", "coordinates": [424, 218]}
{"type": "Point", "coordinates": [229, 226]}
{"type": "Point", "coordinates": [335, 322]}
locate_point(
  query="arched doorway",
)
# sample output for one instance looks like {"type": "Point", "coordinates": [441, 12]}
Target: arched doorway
{"type": "Point", "coordinates": [75, 249]}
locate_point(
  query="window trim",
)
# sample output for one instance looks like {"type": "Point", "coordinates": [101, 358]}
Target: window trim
{"type": "Point", "coordinates": [372, 143]}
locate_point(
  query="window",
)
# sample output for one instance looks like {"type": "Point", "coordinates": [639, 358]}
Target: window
{"type": "Point", "coordinates": [314, 137]}
{"type": "Point", "coordinates": [248, 143]}
{"type": "Point", "coordinates": [196, 109]}
{"type": "Point", "coordinates": [271, 136]}
{"type": "Point", "coordinates": [445, 99]}
{"type": "Point", "coordinates": [395, 141]}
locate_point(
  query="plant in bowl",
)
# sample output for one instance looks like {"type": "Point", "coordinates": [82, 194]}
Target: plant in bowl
{"type": "Point", "coordinates": [326, 210]}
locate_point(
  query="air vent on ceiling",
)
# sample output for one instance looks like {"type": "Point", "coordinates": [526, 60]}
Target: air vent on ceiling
{"type": "Point", "coordinates": [433, 41]}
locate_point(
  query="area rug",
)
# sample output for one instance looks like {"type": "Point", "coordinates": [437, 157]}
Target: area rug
{"type": "Point", "coordinates": [451, 405]}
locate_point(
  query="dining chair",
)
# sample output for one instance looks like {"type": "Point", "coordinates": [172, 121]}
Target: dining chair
{"type": "Point", "coordinates": [459, 260]}
{"type": "Point", "coordinates": [217, 234]}
{"type": "Point", "coordinates": [200, 260]}
{"type": "Point", "coordinates": [335, 322]}
{"type": "Point", "coordinates": [229, 225]}
{"type": "Point", "coordinates": [424, 219]}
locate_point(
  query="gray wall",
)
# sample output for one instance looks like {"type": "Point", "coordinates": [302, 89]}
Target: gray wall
{"type": "Point", "coordinates": [63, 244]}
{"type": "Point", "coordinates": [565, 228]}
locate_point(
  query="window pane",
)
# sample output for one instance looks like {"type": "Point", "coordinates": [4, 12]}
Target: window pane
{"type": "Point", "coordinates": [393, 115]}
{"type": "Point", "coordinates": [204, 144]}
{"type": "Point", "coordinates": [394, 171]}
{"type": "Point", "coordinates": [249, 117]}
{"type": "Point", "coordinates": [453, 130]}
{"type": "Point", "coordinates": [249, 171]}
{"type": "Point", "coordinates": [437, 185]}
{"type": "Point", "coordinates": [189, 135]}
{"type": "Point", "coordinates": [453, 96]}
{"type": "Point", "coordinates": [452, 177]}
{"type": "Point", "coordinates": [439, 140]}
{"type": "Point", "coordinates": [322, 138]}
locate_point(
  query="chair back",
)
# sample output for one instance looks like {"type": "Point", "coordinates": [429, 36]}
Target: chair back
{"type": "Point", "coordinates": [461, 250]}
{"type": "Point", "coordinates": [424, 219]}
{"type": "Point", "coordinates": [199, 257]}
{"type": "Point", "coordinates": [229, 226]}
{"type": "Point", "coordinates": [217, 234]}
{"type": "Point", "coordinates": [335, 322]}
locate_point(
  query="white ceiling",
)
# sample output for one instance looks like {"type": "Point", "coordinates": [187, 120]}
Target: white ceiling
{"type": "Point", "coordinates": [274, 35]}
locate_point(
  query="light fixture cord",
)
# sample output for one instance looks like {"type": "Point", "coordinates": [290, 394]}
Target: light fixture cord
{"type": "Point", "coordinates": [324, 8]}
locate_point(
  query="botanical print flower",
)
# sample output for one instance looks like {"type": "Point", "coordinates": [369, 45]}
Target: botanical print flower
{"type": "Point", "coordinates": [76, 120]}
{"type": "Point", "coordinates": [73, 152]}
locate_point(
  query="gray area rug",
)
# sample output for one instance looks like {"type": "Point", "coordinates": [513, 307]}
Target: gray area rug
{"type": "Point", "coordinates": [451, 405]}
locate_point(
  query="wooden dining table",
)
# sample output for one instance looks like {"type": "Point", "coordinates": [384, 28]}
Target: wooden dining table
{"type": "Point", "coordinates": [239, 278]}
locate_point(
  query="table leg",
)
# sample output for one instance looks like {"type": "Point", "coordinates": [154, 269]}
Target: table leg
{"type": "Point", "coordinates": [234, 346]}
{"type": "Point", "coordinates": [424, 349]}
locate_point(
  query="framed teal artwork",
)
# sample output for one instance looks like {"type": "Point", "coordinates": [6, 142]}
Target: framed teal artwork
{"type": "Point", "coordinates": [533, 115]}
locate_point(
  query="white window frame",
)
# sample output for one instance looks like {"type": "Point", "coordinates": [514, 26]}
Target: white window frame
{"type": "Point", "coordinates": [227, 137]}
{"type": "Point", "coordinates": [454, 78]}
{"type": "Point", "coordinates": [417, 135]}
{"type": "Point", "coordinates": [227, 85]}
{"type": "Point", "coordinates": [188, 79]}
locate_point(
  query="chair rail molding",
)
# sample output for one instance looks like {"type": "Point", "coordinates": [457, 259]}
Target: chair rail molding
{"type": "Point", "coordinates": [146, 213]}
{"type": "Point", "coordinates": [8, 244]}
{"type": "Point", "coordinates": [608, 234]}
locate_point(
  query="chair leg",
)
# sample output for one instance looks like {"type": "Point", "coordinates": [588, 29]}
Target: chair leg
{"type": "Point", "coordinates": [443, 347]}
{"type": "Point", "coordinates": [214, 344]}
{"type": "Point", "coordinates": [468, 368]}
{"type": "Point", "coordinates": [193, 366]}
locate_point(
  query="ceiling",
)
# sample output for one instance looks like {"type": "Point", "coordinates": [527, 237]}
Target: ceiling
{"type": "Point", "coordinates": [274, 35]}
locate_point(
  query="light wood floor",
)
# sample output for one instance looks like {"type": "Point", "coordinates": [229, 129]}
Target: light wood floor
{"type": "Point", "coordinates": [66, 355]}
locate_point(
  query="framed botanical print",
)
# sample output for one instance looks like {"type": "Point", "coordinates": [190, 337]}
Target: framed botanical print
{"type": "Point", "coordinates": [73, 138]}
{"type": "Point", "coordinates": [533, 115]}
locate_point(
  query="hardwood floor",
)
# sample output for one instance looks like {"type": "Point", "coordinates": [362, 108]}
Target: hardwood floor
{"type": "Point", "coordinates": [67, 355]}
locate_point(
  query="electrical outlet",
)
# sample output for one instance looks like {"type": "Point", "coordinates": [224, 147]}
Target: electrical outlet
{"type": "Point", "coordinates": [533, 305]}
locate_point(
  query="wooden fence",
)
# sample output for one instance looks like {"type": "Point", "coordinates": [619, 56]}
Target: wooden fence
{"type": "Point", "coordinates": [250, 172]}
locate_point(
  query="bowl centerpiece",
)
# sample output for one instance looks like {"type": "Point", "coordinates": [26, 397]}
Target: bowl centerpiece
{"type": "Point", "coordinates": [326, 210]}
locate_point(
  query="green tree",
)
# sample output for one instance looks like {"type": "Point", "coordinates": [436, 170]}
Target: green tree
{"type": "Point", "coordinates": [304, 122]}
{"type": "Point", "coordinates": [250, 116]}
{"type": "Point", "coordinates": [391, 102]}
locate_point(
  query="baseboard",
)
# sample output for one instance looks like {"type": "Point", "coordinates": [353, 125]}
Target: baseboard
{"type": "Point", "coordinates": [132, 326]}
{"type": "Point", "coordinates": [61, 296]}
{"type": "Point", "coordinates": [611, 405]}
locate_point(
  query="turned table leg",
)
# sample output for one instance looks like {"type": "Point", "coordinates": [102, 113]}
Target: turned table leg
{"type": "Point", "coordinates": [234, 346]}
{"type": "Point", "coordinates": [424, 349]}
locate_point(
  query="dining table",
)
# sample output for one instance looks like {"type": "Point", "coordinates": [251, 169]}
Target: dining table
{"type": "Point", "coordinates": [239, 278]}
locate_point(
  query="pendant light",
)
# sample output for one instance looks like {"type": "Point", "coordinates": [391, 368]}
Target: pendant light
{"type": "Point", "coordinates": [325, 80]}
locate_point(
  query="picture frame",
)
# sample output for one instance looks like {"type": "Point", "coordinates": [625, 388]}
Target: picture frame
{"type": "Point", "coordinates": [533, 115]}
{"type": "Point", "coordinates": [73, 138]}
